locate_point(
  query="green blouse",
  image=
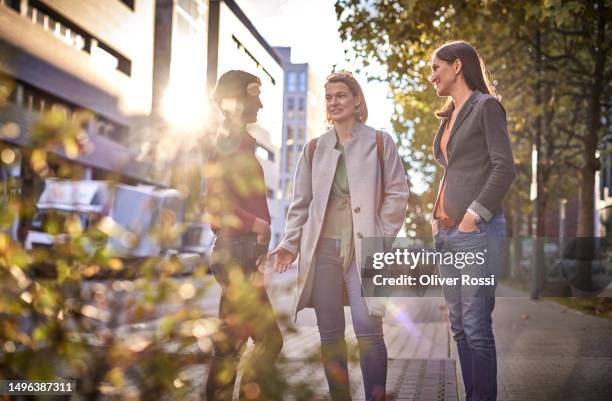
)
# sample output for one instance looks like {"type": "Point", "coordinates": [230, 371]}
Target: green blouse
{"type": "Point", "coordinates": [338, 222]}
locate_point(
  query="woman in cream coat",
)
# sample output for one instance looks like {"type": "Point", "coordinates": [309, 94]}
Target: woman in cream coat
{"type": "Point", "coordinates": [341, 196]}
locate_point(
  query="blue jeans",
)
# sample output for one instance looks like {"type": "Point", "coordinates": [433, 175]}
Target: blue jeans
{"type": "Point", "coordinates": [328, 299]}
{"type": "Point", "coordinates": [470, 306]}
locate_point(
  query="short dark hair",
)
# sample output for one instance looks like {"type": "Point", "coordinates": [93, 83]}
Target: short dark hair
{"type": "Point", "coordinates": [474, 71]}
{"type": "Point", "coordinates": [233, 83]}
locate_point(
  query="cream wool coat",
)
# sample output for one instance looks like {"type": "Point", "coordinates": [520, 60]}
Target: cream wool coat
{"type": "Point", "coordinates": [311, 193]}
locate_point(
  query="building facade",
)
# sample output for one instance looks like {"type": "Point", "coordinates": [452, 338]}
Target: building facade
{"type": "Point", "coordinates": [60, 58]}
{"type": "Point", "coordinates": [144, 69]}
{"type": "Point", "coordinates": [303, 118]}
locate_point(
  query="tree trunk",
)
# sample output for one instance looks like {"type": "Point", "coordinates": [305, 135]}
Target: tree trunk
{"type": "Point", "coordinates": [586, 211]}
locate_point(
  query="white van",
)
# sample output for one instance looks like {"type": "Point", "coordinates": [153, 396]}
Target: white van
{"type": "Point", "coordinates": [140, 221]}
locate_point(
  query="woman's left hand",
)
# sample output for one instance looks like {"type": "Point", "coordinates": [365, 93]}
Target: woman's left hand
{"type": "Point", "coordinates": [283, 260]}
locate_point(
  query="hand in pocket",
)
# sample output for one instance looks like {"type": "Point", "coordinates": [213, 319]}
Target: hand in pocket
{"type": "Point", "coordinates": [468, 225]}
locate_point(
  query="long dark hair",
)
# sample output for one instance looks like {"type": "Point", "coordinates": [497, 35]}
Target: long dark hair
{"type": "Point", "coordinates": [474, 71]}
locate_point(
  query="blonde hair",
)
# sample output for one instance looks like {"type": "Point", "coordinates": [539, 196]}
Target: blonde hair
{"type": "Point", "coordinates": [346, 77]}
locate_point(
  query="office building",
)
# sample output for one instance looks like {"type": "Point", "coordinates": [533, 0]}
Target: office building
{"type": "Point", "coordinates": [303, 117]}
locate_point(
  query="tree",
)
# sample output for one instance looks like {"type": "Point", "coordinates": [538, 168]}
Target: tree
{"type": "Point", "coordinates": [550, 61]}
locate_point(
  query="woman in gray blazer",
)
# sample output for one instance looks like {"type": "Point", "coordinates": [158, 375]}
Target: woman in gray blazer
{"type": "Point", "coordinates": [473, 147]}
{"type": "Point", "coordinates": [349, 184]}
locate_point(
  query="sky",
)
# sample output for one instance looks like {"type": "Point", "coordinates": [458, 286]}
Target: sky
{"type": "Point", "coordinates": [310, 28]}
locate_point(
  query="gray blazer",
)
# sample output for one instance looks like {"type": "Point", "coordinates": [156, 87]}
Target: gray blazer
{"type": "Point", "coordinates": [480, 166]}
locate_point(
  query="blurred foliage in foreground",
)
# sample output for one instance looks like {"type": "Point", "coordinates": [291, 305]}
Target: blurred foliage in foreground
{"type": "Point", "coordinates": [123, 328]}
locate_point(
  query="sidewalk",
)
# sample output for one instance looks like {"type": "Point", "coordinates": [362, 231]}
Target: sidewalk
{"type": "Point", "coordinates": [548, 352]}
{"type": "Point", "coordinates": [417, 338]}
{"type": "Point", "coordinates": [416, 334]}
{"type": "Point", "coordinates": [545, 351]}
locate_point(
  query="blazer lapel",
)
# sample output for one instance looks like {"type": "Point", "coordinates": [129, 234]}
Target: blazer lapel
{"type": "Point", "coordinates": [465, 111]}
{"type": "Point", "coordinates": [436, 144]}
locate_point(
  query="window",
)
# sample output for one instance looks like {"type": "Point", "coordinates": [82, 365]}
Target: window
{"type": "Point", "coordinates": [292, 81]}
{"type": "Point", "coordinates": [290, 107]}
{"type": "Point", "coordinates": [34, 15]}
{"type": "Point", "coordinates": [290, 160]}
{"type": "Point", "coordinates": [301, 138]}
{"type": "Point", "coordinates": [303, 81]}
{"type": "Point", "coordinates": [72, 35]}
{"type": "Point", "coordinates": [301, 107]}
{"type": "Point", "coordinates": [290, 133]}
{"type": "Point", "coordinates": [62, 30]}
{"type": "Point", "coordinates": [34, 99]}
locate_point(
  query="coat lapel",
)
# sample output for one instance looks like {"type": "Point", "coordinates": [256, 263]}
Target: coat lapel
{"type": "Point", "coordinates": [324, 163]}
{"type": "Point", "coordinates": [357, 150]}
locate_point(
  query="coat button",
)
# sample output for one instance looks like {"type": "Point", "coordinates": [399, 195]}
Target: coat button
{"type": "Point", "coordinates": [357, 209]}
{"type": "Point", "coordinates": [359, 235]}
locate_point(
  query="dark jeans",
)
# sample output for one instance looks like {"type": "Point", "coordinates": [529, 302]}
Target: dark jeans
{"type": "Point", "coordinates": [245, 312]}
{"type": "Point", "coordinates": [329, 281]}
{"type": "Point", "coordinates": [470, 306]}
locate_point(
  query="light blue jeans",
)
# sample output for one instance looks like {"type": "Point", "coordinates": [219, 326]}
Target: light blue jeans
{"type": "Point", "coordinates": [330, 283]}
